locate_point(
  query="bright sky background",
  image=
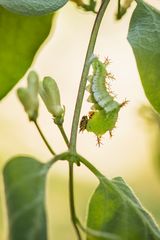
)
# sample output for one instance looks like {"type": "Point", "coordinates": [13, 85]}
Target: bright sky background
{"type": "Point", "coordinates": [127, 153]}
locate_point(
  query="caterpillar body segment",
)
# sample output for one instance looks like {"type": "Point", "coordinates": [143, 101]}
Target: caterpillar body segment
{"type": "Point", "coordinates": [99, 87]}
{"type": "Point", "coordinates": [100, 123]}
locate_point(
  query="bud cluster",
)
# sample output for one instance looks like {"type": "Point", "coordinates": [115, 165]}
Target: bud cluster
{"type": "Point", "coordinates": [49, 93]}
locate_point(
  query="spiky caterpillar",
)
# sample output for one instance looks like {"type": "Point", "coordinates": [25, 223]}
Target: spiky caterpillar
{"type": "Point", "coordinates": [105, 108]}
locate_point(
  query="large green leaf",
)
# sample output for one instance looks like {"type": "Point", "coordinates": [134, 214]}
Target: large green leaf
{"type": "Point", "coordinates": [144, 37]}
{"type": "Point", "coordinates": [114, 209]}
{"type": "Point", "coordinates": [20, 38]}
{"type": "Point", "coordinates": [33, 7]}
{"type": "Point", "coordinates": [24, 179]}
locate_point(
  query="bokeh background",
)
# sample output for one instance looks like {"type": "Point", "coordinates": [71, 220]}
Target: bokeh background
{"type": "Point", "coordinates": [134, 150]}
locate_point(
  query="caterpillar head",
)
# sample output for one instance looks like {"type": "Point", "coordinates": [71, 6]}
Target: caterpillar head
{"type": "Point", "coordinates": [83, 123]}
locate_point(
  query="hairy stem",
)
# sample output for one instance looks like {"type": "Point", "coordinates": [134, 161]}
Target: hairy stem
{"type": "Point", "coordinates": [44, 139]}
{"type": "Point", "coordinates": [85, 72]}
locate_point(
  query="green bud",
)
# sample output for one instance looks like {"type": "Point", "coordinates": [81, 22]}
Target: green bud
{"type": "Point", "coordinates": [50, 94]}
{"type": "Point", "coordinates": [33, 83]}
{"type": "Point", "coordinates": [29, 96]}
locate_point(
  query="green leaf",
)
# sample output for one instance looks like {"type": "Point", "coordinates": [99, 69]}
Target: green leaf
{"type": "Point", "coordinates": [24, 179]}
{"type": "Point", "coordinates": [144, 37]}
{"type": "Point", "coordinates": [20, 38]}
{"type": "Point", "coordinates": [33, 7]}
{"type": "Point", "coordinates": [115, 209]}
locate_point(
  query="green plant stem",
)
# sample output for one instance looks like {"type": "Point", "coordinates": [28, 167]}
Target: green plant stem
{"type": "Point", "coordinates": [62, 156]}
{"type": "Point", "coordinates": [44, 139]}
{"type": "Point", "coordinates": [97, 234]}
{"type": "Point", "coordinates": [71, 185]}
{"type": "Point", "coordinates": [93, 169]}
{"type": "Point", "coordinates": [85, 72]}
{"type": "Point", "coordinates": [71, 200]}
{"type": "Point", "coordinates": [63, 134]}
{"type": "Point", "coordinates": [78, 106]}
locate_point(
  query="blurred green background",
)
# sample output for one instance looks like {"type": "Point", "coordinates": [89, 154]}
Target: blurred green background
{"type": "Point", "coordinates": [134, 150]}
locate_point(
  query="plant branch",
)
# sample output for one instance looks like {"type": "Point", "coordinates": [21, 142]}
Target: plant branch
{"type": "Point", "coordinates": [85, 72]}
{"type": "Point", "coordinates": [71, 183]}
{"type": "Point", "coordinates": [93, 169]}
{"type": "Point", "coordinates": [71, 200]}
{"type": "Point", "coordinates": [71, 187]}
{"type": "Point", "coordinates": [44, 139]}
{"type": "Point", "coordinates": [97, 234]}
{"type": "Point", "coordinates": [78, 107]}
{"type": "Point", "coordinates": [64, 135]}
{"type": "Point", "coordinates": [62, 156]}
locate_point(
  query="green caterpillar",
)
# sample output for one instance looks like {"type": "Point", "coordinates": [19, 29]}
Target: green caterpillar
{"type": "Point", "coordinates": [32, 7]}
{"type": "Point", "coordinates": [105, 109]}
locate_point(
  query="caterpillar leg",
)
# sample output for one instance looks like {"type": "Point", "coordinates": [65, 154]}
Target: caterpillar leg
{"type": "Point", "coordinates": [110, 134]}
{"type": "Point", "coordinates": [107, 61]}
{"type": "Point", "coordinates": [90, 114]}
{"type": "Point", "coordinates": [99, 141]}
{"type": "Point", "coordinates": [124, 103]}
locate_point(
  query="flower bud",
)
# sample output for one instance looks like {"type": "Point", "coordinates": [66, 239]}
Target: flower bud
{"type": "Point", "coordinates": [33, 83]}
{"type": "Point", "coordinates": [50, 94]}
{"type": "Point", "coordinates": [29, 96]}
